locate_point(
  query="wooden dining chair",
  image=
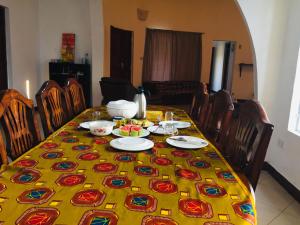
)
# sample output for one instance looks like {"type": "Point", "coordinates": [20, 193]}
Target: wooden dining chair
{"type": "Point", "coordinates": [53, 107]}
{"type": "Point", "coordinates": [3, 154]}
{"type": "Point", "coordinates": [247, 142]}
{"type": "Point", "coordinates": [19, 123]}
{"type": "Point", "coordinates": [75, 96]}
{"type": "Point", "coordinates": [218, 116]}
{"type": "Point", "coordinates": [199, 104]}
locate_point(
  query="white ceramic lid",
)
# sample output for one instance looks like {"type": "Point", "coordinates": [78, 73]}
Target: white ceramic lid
{"type": "Point", "coordinates": [121, 104]}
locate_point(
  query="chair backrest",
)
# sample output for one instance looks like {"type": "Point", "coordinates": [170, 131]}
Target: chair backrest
{"type": "Point", "coordinates": [115, 89]}
{"type": "Point", "coordinates": [18, 120]}
{"type": "Point", "coordinates": [219, 113]}
{"type": "Point", "coordinates": [53, 106]}
{"type": "Point", "coordinates": [199, 102]}
{"type": "Point", "coordinates": [3, 154]}
{"type": "Point", "coordinates": [75, 96]}
{"type": "Point", "coordinates": [248, 140]}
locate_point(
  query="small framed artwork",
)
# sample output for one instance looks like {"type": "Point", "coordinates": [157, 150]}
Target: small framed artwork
{"type": "Point", "coordinates": [68, 47]}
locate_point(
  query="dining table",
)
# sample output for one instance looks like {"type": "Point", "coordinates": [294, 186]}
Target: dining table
{"type": "Point", "coordinates": [74, 177]}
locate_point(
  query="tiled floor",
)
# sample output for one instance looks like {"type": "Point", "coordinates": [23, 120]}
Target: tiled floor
{"type": "Point", "coordinates": [274, 205]}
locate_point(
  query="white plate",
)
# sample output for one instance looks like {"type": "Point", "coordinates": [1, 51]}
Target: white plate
{"type": "Point", "coordinates": [192, 142]}
{"type": "Point", "coordinates": [157, 130]}
{"type": "Point", "coordinates": [178, 124]}
{"type": "Point", "coordinates": [116, 132]}
{"type": "Point", "coordinates": [131, 144]}
{"type": "Point", "coordinates": [86, 125]}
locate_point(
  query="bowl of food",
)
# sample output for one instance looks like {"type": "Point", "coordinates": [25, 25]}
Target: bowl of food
{"type": "Point", "coordinates": [101, 127]}
{"type": "Point", "coordinates": [122, 108]}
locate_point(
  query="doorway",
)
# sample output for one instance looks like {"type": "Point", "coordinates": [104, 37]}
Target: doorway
{"type": "Point", "coordinates": [222, 62]}
{"type": "Point", "coordinates": [121, 53]}
{"type": "Point", "coordinates": [3, 58]}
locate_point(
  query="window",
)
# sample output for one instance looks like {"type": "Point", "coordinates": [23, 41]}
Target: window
{"type": "Point", "coordinates": [294, 120]}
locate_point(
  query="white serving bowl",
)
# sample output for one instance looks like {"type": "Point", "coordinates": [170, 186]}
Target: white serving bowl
{"type": "Point", "coordinates": [122, 108]}
{"type": "Point", "coordinates": [101, 127]}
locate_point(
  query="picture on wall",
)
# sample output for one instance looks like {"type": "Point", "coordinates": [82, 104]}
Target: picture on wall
{"type": "Point", "coordinates": [68, 47]}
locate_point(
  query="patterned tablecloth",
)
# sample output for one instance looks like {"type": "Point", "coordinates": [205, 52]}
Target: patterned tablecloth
{"type": "Point", "coordinates": [76, 178]}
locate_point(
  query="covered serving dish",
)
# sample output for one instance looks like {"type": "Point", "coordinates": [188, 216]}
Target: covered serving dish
{"type": "Point", "coordinates": [122, 108]}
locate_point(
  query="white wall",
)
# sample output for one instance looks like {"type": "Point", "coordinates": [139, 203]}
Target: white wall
{"type": "Point", "coordinates": [57, 17]}
{"type": "Point", "coordinates": [35, 30]}
{"type": "Point", "coordinates": [23, 38]}
{"type": "Point", "coordinates": [82, 17]}
{"type": "Point", "coordinates": [217, 69]}
{"type": "Point", "coordinates": [97, 40]}
{"type": "Point", "coordinates": [274, 26]}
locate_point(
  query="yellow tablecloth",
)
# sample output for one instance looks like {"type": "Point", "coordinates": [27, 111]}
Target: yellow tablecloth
{"type": "Point", "coordinates": [75, 178]}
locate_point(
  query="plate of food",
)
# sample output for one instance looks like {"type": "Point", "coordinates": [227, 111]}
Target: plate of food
{"type": "Point", "coordinates": [131, 144]}
{"type": "Point", "coordinates": [130, 130]}
{"type": "Point", "coordinates": [143, 122]}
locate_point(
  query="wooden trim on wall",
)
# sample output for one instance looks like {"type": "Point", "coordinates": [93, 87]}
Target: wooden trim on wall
{"type": "Point", "coordinates": [289, 187]}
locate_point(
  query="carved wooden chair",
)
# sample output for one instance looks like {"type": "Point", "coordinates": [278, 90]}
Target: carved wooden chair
{"type": "Point", "coordinates": [3, 154]}
{"type": "Point", "coordinates": [218, 116]}
{"type": "Point", "coordinates": [53, 106]}
{"type": "Point", "coordinates": [247, 142]}
{"type": "Point", "coordinates": [75, 96]}
{"type": "Point", "coordinates": [19, 123]}
{"type": "Point", "coordinates": [199, 104]}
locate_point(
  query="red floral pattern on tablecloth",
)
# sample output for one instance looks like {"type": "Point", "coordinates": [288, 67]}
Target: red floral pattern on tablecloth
{"type": "Point", "coordinates": [26, 163]}
{"type": "Point", "coordinates": [163, 186]}
{"type": "Point", "coordinates": [49, 145]}
{"type": "Point", "coordinates": [89, 156]}
{"type": "Point", "coordinates": [70, 179]}
{"type": "Point", "coordinates": [100, 141]}
{"type": "Point", "coordinates": [181, 153]}
{"type": "Point", "coordinates": [64, 133]}
{"type": "Point", "coordinates": [38, 216]}
{"type": "Point", "coordinates": [187, 174]}
{"type": "Point", "coordinates": [161, 161]}
{"type": "Point", "coordinates": [90, 197]}
{"type": "Point", "coordinates": [105, 168]}
{"type": "Point", "coordinates": [195, 208]}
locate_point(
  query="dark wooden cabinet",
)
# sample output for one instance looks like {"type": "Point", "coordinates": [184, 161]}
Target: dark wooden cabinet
{"type": "Point", "coordinates": [60, 72]}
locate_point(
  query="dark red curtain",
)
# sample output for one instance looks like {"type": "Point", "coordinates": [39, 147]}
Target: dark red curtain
{"type": "Point", "coordinates": [172, 55]}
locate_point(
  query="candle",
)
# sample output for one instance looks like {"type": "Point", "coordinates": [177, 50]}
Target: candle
{"type": "Point", "coordinates": [27, 89]}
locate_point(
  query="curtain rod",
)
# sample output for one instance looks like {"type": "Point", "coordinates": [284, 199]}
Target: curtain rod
{"type": "Point", "coordinates": [174, 30]}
